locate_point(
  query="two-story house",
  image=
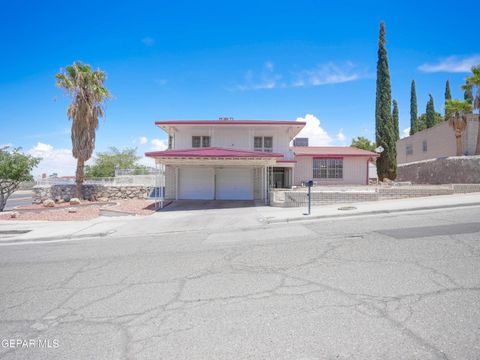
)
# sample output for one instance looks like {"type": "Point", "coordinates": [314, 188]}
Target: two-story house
{"type": "Point", "coordinates": [230, 159]}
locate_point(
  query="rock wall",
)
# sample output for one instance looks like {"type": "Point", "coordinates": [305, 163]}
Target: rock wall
{"type": "Point", "coordinates": [449, 170]}
{"type": "Point", "coordinates": [91, 192]}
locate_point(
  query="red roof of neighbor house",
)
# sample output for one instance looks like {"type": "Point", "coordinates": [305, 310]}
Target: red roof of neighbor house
{"type": "Point", "coordinates": [331, 151]}
{"type": "Point", "coordinates": [230, 122]}
{"type": "Point", "coordinates": [213, 152]}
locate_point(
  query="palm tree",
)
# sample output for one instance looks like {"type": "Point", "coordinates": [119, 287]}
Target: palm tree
{"type": "Point", "coordinates": [86, 87]}
{"type": "Point", "coordinates": [471, 82]}
{"type": "Point", "coordinates": [458, 121]}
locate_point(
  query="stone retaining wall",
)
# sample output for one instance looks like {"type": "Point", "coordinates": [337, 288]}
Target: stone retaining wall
{"type": "Point", "coordinates": [449, 170]}
{"type": "Point", "coordinates": [91, 192]}
{"type": "Point", "coordinates": [296, 198]}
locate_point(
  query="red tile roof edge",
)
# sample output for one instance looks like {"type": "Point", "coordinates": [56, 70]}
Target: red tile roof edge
{"type": "Point", "coordinates": [230, 122]}
{"type": "Point", "coordinates": [331, 151]}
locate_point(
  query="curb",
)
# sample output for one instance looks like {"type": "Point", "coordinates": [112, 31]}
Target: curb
{"type": "Point", "coordinates": [374, 212]}
{"type": "Point", "coordinates": [56, 238]}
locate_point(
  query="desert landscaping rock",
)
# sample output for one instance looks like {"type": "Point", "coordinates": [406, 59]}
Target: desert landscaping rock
{"type": "Point", "coordinates": [48, 203]}
{"type": "Point", "coordinates": [75, 201]}
{"type": "Point", "coordinates": [84, 211]}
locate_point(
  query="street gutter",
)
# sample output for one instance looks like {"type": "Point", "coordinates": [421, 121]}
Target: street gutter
{"type": "Point", "coordinates": [373, 212]}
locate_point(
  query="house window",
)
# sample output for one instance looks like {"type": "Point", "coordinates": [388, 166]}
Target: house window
{"type": "Point", "coordinates": [205, 141]}
{"type": "Point", "coordinates": [263, 143]}
{"type": "Point", "coordinates": [328, 168]}
{"type": "Point", "coordinates": [424, 146]}
{"type": "Point", "coordinates": [409, 150]}
{"type": "Point", "coordinates": [200, 141]}
{"type": "Point", "coordinates": [170, 142]}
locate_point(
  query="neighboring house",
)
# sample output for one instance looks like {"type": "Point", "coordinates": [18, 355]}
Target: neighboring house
{"type": "Point", "coordinates": [230, 159]}
{"type": "Point", "coordinates": [436, 142]}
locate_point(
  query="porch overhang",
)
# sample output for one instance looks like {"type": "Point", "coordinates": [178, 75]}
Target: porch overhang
{"type": "Point", "coordinates": [209, 161]}
{"type": "Point", "coordinates": [214, 157]}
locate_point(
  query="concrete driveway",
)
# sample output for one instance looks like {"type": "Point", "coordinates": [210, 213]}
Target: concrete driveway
{"type": "Point", "coordinates": [183, 205]}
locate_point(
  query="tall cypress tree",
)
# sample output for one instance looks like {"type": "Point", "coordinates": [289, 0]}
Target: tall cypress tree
{"type": "Point", "coordinates": [430, 113]}
{"type": "Point", "coordinates": [448, 96]}
{"type": "Point", "coordinates": [413, 109]}
{"type": "Point", "coordinates": [395, 120]}
{"type": "Point", "coordinates": [384, 129]}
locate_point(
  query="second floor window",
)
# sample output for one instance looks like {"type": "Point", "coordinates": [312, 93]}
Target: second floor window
{"type": "Point", "coordinates": [263, 143]}
{"type": "Point", "coordinates": [200, 141]}
{"type": "Point", "coordinates": [170, 142]}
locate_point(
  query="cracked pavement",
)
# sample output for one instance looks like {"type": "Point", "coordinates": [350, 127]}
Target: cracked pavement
{"type": "Point", "coordinates": [375, 287]}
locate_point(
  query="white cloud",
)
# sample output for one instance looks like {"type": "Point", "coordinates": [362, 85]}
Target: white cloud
{"type": "Point", "coordinates": [159, 144]}
{"type": "Point", "coordinates": [405, 132]}
{"type": "Point", "coordinates": [324, 74]}
{"type": "Point", "coordinates": [9, 145]}
{"type": "Point", "coordinates": [316, 135]}
{"type": "Point", "coordinates": [142, 140]}
{"type": "Point", "coordinates": [341, 136]}
{"type": "Point", "coordinates": [452, 64]}
{"type": "Point", "coordinates": [267, 79]}
{"type": "Point", "coordinates": [54, 160]}
{"type": "Point", "coordinates": [148, 41]}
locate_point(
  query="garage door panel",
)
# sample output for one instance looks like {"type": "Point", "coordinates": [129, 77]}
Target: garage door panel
{"type": "Point", "coordinates": [196, 183]}
{"type": "Point", "coordinates": [234, 184]}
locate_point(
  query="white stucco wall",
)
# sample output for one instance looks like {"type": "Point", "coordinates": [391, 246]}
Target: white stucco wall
{"type": "Point", "coordinates": [235, 137]}
{"type": "Point", "coordinates": [354, 171]}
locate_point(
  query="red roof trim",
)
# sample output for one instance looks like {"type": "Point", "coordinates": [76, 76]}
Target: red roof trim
{"type": "Point", "coordinates": [344, 151]}
{"type": "Point", "coordinates": [212, 153]}
{"type": "Point", "coordinates": [336, 155]}
{"type": "Point", "coordinates": [331, 157]}
{"type": "Point", "coordinates": [230, 122]}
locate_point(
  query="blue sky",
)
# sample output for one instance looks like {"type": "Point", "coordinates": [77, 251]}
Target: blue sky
{"type": "Point", "coordinates": [202, 60]}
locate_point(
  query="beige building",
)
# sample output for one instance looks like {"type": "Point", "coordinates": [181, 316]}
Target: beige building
{"type": "Point", "coordinates": [314, 162]}
{"type": "Point", "coordinates": [436, 142]}
{"type": "Point", "coordinates": [230, 159]}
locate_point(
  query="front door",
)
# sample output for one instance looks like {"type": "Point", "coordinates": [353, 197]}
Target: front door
{"type": "Point", "coordinates": [278, 178]}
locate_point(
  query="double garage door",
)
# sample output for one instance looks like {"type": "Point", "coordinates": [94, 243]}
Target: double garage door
{"type": "Point", "coordinates": [201, 183]}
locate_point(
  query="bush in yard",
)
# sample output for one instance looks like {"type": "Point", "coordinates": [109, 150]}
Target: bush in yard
{"type": "Point", "coordinates": [15, 167]}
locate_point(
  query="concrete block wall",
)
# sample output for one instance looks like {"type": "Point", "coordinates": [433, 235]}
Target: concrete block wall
{"type": "Point", "coordinates": [297, 198]}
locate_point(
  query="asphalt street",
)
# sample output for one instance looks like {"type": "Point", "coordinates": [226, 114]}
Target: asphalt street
{"type": "Point", "coordinates": [19, 198]}
{"type": "Point", "coordinates": [392, 286]}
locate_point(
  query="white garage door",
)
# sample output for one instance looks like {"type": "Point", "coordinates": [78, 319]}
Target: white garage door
{"type": "Point", "coordinates": [234, 184]}
{"type": "Point", "coordinates": [196, 183]}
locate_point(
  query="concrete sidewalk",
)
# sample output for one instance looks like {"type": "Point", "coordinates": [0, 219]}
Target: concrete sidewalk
{"type": "Point", "coordinates": [213, 219]}
{"type": "Point", "coordinates": [30, 231]}
{"type": "Point", "coordinates": [277, 215]}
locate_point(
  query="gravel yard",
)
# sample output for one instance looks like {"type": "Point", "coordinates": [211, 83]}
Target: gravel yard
{"type": "Point", "coordinates": [85, 211]}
